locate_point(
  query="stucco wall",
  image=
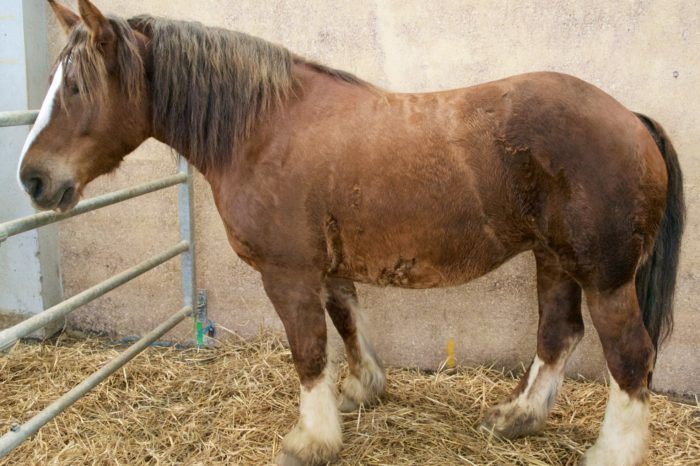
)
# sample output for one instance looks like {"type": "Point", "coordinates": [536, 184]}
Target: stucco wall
{"type": "Point", "coordinates": [645, 53]}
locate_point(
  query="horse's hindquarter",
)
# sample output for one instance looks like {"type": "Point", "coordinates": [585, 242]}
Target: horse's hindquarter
{"type": "Point", "coordinates": [594, 179]}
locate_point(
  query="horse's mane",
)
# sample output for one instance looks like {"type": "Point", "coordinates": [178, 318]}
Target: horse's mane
{"type": "Point", "coordinates": [210, 86]}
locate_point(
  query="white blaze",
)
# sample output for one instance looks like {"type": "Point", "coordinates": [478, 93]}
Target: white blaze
{"type": "Point", "coordinates": [42, 120]}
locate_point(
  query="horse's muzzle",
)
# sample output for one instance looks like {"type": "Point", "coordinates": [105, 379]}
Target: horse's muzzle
{"type": "Point", "coordinates": [44, 195]}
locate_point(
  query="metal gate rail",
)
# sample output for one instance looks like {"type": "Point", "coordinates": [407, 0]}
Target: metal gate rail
{"type": "Point", "coordinates": [30, 222]}
{"type": "Point", "coordinates": [18, 434]}
{"type": "Point", "coordinates": [185, 248]}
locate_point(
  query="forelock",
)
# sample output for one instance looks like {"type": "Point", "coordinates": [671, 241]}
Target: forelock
{"type": "Point", "coordinates": [85, 65]}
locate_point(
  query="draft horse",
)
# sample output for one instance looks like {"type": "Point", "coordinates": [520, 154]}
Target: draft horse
{"type": "Point", "coordinates": [323, 180]}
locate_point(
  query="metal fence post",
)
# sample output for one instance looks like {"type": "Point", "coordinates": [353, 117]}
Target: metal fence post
{"type": "Point", "coordinates": [187, 263]}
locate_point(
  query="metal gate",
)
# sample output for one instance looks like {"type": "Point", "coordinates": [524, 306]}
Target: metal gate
{"type": "Point", "coordinates": [185, 249]}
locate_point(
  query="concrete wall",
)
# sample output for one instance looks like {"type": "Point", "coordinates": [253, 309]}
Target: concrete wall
{"type": "Point", "coordinates": [645, 53]}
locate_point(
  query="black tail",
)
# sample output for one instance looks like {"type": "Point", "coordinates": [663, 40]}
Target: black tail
{"type": "Point", "coordinates": [656, 278]}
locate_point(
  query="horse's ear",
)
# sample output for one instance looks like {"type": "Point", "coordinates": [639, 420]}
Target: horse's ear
{"type": "Point", "coordinates": [100, 29]}
{"type": "Point", "coordinates": [65, 17]}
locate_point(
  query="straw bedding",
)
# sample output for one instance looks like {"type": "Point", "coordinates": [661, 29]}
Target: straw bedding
{"type": "Point", "coordinates": [233, 404]}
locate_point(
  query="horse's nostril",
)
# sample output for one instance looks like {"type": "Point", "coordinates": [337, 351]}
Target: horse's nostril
{"type": "Point", "coordinates": [34, 186]}
{"type": "Point", "coordinates": [67, 198]}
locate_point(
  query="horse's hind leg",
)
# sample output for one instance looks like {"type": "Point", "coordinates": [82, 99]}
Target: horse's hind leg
{"type": "Point", "coordinates": [316, 438]}
{"type": "Point", "coordinates": [560, 329]}
{"type": "Point", "coordinates": [630, 354]}
{"type": "Point", "coordinates": [366, 380]}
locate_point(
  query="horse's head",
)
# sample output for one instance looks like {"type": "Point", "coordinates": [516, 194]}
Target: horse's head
{"type": "Point", "coordinates": [96, 110]}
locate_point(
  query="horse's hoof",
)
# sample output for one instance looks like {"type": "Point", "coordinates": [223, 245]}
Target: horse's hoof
{"type": "Point", "coordinates": [510, 423]}
{"type": "Point", "coordinates": [488, 423]}
{"type": "Point", "coordinates": [599, 456]}
{"type": "Point", "coordinates": [592, 458]}
{"type": "Point", "coordinates": [284, 458]}
{"type": "Point", "coordinates": [347, 405]}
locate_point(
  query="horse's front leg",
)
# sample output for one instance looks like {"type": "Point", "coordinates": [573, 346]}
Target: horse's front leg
{"type": "Point", "coordinates": [316, 438]}
{"type": "Point", "coordinates": [366, 380]}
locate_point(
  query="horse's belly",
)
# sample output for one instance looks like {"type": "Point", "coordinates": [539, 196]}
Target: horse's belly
{"type": "Point", "coordinates": [424, 261]}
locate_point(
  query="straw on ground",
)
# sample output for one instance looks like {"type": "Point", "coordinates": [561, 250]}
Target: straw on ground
{"type": "Point", "coordinates": [233, 404]}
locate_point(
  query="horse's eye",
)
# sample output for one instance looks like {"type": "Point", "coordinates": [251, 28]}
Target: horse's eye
{"type": "Point", "coordinates": [74, 89]}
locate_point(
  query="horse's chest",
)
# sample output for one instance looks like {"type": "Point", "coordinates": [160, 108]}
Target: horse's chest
{"type": "Point", "coordinates": [243, 249]}
{"type": "Point", "coordinates": [261, 230]}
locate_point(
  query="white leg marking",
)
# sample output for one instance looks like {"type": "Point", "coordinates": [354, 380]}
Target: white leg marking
{"type": "Point", "coordinates": [543, 384]}
{"type": "Point", "coordinates": [528, 412]}
{"type": "Point", "coordinates": [366, 388]}
{"type": "Point", "coordinates": [317, 437]}
{"type": "Point", "coordinates": [623, 437]}
{"type": "Point", "coordinates": [42, 120]}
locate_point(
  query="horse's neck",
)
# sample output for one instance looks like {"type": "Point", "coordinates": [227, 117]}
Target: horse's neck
{"type": "Point", "coordinates": [314, 91]}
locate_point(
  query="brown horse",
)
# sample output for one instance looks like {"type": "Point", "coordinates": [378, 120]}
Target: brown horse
{"type": "Point", "coordinates": [323, 180]}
